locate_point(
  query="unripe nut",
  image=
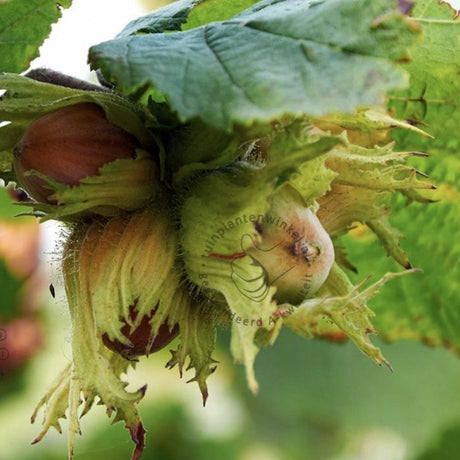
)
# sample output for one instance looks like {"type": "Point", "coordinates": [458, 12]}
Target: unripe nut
{"type": "Point", "coordinates": [122, 273]}
{"type": "Point", "coordinates": [68, 145]}
{"type": "Point", "coordinates": [143, 343]}
{"type": "Point", "coordinates": [297, 257]}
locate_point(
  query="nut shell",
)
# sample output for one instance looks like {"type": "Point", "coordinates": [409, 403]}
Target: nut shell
{"type": "Point", "coordinates": [68, 145]}
{"type": "Point", "coordinates": [143, 343]}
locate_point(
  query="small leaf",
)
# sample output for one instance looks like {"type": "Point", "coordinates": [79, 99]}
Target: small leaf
{"type": "Point", "coordinates": [197, 325]}
{"type": "Point", "coordinates": [136, 177]}
{"type": "Point", "coordinates": [169, 18]}
{"type": "Point", "coordinates": [345, 305]}
{"type": "Point", "coordinates": [215, 10]}
{"type": "Point", "coordinates": [185, 15]}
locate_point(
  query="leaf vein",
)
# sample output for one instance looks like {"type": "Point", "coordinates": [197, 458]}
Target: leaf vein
{"type": "Point", "coordinates": [224, 66]}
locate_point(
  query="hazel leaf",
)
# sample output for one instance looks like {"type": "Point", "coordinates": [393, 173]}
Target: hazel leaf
{"type": "Point", "coordinates": [24, 25]}
{"type": "Point", "coordinates": [432, 103]}
{"type": "Point", "coordinates": [234, 71]}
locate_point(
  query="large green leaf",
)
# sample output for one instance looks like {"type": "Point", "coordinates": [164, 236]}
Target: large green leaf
{"type": "Point", "coordinates": [433, 99]}
{"type": "Point", "coordinates": [276, 58]}
{"type": "Point", "coordinates": [425, 307]}
{"type": "Point", "coordinates": [24, 25]}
